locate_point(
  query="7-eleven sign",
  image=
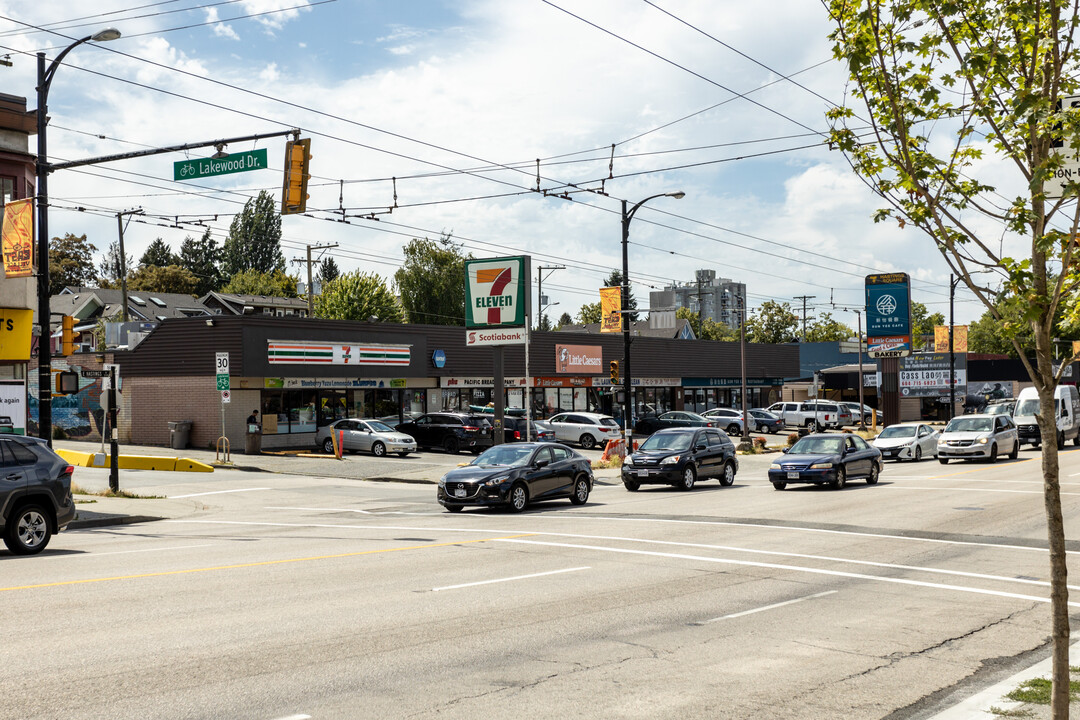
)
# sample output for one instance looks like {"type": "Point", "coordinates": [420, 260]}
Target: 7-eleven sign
{"type": "Point", "coordinates": [497, 291]}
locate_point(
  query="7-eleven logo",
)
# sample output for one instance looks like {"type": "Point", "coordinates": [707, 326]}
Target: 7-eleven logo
{"type": "Point", "coordinates": [494, 281]}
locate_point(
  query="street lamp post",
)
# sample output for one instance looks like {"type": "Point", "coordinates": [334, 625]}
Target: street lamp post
{"type": "Point", "coordinates": [44, 79]}
{"type": "Point", "coordinates": [628, 401]}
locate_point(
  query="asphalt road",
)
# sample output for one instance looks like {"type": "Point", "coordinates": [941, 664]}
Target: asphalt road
{"type": "Point", "coordinates": [285, 596]}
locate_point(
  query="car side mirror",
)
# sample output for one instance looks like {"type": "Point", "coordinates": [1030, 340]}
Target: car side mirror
{"type": "Point", "coordinates": [785, 450]}
{"type": "Point", "coordinates": [540, 464]}
{"type": "Point", "coordinates": [701, 446]}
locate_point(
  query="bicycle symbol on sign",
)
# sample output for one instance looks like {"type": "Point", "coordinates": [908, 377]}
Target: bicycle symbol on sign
{"type": "Point", "coordinates": [187, 169]}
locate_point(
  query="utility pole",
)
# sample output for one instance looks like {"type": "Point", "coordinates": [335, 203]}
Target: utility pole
{"type": "Point", "coordinates": [804, 298]}
{"type": "Point", "coordinates": [310, 285]}
{"type": "Point", "coordinates": [540, 289]}
{"type": "Point", "coordinates": [123, 261]}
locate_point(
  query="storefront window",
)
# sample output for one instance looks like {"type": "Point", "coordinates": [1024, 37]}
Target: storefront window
{"type": "Point", "coordinates": [361, 404]}
{"type": "Point", "coordinates": [515, 398]}
{"type": "Point", "coordinates": [300, 405]}
{"type": "Point", "coordinates": [274, 419]}
{"type": "Point", "coordinates": [551, 401]}
{"type": "Point", "coordinates": [450, 400]}
{"type": "Point", "coordinates": [566, 399]}
{"type": "Point", "coordinates": [332, 406]}
{"type": "Point", "coordinates": [417, 401]}
{"type": "Point", "coordinates": [480, 397]}
{"type": "Point", "coordinates": [387, 403]}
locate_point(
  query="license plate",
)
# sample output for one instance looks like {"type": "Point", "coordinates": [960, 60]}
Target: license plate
{"type": "Point", "coordinates": [643, 473]}
{"type": "Point", "coordinates": [793, 476]}
{"type": "Point", "coordinates": [459, 492]}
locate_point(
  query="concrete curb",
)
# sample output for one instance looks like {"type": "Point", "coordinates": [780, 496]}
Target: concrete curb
{"type": "Point", "coordinates": [109, 520]}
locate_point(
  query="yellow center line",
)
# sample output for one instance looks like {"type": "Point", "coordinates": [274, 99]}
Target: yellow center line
{"type": "Point", "coordinates": [257, 564]}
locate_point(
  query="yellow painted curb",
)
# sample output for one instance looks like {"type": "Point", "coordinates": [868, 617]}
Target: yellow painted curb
{"type": "Point", "coordinates": [189, 465]}
{"type": "Point", "coordinates": [76, 458]}
{"type": "Point", "coordinates": [134, 462]}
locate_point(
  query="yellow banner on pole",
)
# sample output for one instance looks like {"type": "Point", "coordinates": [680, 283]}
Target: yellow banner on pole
{"type": "Point", "coordinates": [960, 338]}
{"type": "Point", "coordinates": [17, 238]}
{"type": "Point", "coordinates": [610, 309]}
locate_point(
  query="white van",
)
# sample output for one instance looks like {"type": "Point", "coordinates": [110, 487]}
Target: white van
{"type": "Point", "coordinates": [1067, 410]}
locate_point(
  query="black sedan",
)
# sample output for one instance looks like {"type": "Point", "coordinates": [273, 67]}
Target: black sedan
{"type": "Point", "coordinates": [826, 460]}
{"type": "Point", "coordinates": [515, 475]}
{"type": "Point", "coordinates": [680, 457]}
{"type": "Point", "coordinates": [674, 419]}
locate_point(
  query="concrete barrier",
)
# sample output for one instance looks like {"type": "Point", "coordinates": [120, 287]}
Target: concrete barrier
{"type": "Point", "coordinates": [134, 462]}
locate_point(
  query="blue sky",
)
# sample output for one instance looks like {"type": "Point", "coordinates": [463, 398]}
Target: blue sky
{"type": "Point", "coordinates": [424, 91]}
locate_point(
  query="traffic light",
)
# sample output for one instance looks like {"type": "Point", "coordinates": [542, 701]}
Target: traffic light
{"type": "Point", "coordinates": [294, 190]}
{"type": "Point", "coordinates": [613, 372]}
{"type": "Point", "coordinates": [67, 335]}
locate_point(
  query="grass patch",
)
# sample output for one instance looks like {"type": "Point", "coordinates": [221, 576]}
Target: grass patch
{"type": "Point", "coordinates": [612, 462]}
{"type": "Point", "coordinates": [1037, 691]}
{"type": "Point", "coordinates": [77, 490]}
{"type": "Point", "coordinates": [1017, 713]}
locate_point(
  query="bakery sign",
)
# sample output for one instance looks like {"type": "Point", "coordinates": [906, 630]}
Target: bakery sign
{"type": "Point", "coordinates": [579, 359]}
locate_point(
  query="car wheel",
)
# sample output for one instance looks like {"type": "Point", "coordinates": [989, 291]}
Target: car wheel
{"type": "Point", "coordinates": [733, 429]}
{"type": "Point", "coordinates": [729, 475]}
{"type": "Point", "coordinates": [631, 485]}
{"type": "Point", "coordinates": [28, 530]}
{"type": "Point", "coordinates": [811, 426]}
{"type": "Point", "coordinates": [779, 485]}
{"type": "Point", "coordinates": [689, 477]}
{"type": "Point", "coordinates": [451, 445]}
{"type": "Point", "coordinates": [452, 508]}
{"type": "Point", "coordinates": [328, 446]}
{"type": "Point", "coordinates": [1076, 440]}
{"type": "Point", "coordinates": [1061, 440]}
{"type": "Point", "coordinates": [943, 461]}
{"type": "Point", "coordinates": [519, 498]}
{"type": "Point", "coordinates": [918, 453]}
{"type": "Point", "coordinates": [841, 479]}
{"type": "Point", "coordinates": [1015, 451]}
{"type": "Point", "coordinates": [378, 449]}
{"type": "Point", "coordinates": [993, 454]}
{"type": "Point", "coordinates": [873, 477]}
{"type": "Point", "coordinates": [587, 441]}
{"type": "Point", "coordinates": [581, 491]}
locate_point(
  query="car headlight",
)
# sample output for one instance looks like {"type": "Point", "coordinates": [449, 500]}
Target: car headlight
{"type": "Point", "coordinates": [982, 440]}
{"type": "Point", "coordinates": [670, 460]}
{"type": "Point", "coordinates": [496, 480]}
{"type": "Point", "coordinates": [629, 460]}
{"type": "Point", "coordinates": [775, 466]}
{"type": "Point", "coordinates": [442, 481]}
{"type": "Point", "coordinates": [821, 466]}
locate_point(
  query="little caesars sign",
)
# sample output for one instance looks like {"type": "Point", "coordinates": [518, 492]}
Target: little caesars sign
{"type": "Point", "coordinates": [497, 293]}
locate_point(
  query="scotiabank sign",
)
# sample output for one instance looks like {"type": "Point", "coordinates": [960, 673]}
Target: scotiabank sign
{"type": "Point", "coordinates": [579, 359]}
{"type": "Point", "coordinates": [510, 336]}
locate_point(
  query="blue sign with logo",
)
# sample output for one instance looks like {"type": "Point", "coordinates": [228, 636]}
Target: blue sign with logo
{"type": "Point", "coordinates": [888, 305]}
{"type": "Point", "coordinates": [438, 358]}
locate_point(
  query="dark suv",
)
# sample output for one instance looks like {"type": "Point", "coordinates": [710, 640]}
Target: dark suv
{"type": "Point", "coordinates": [680, 457]}
{"type": "Point", "coordinates": [35, 493]}
{"type": "Point", "coordinates": [450, 431]}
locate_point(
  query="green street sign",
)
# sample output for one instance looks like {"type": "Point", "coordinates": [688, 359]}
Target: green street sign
{"type": "Point", "coordinates": [206, 167]}
{"type": "Point", "coordinates": [222, 382]}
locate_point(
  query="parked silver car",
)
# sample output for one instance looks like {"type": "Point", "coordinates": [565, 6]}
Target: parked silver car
{"type": "Point", "coordinates": [907, 441]}
{"type": "Point", "coordinates": [372, 436]}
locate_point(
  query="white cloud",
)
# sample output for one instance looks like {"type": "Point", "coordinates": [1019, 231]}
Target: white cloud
{"type": "Point", "coordinates": [221, 29]}
{"type": "Point", "coordinates": [270, 73]}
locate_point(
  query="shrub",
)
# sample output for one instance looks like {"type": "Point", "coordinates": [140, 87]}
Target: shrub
{"type": "Point", "coordinates": [58, 433]}
{"type": "Point", "coordinates": [760, 442]}
{"type": "Point", "coordinates": [792, 438]}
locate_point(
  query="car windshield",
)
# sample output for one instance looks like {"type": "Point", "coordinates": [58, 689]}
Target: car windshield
{"type": "Point", "coordinates": [660, 442]}
{"type": "Point", "coordinates": [898, 431]}
{"type": "Point", "coordinates": [504, 455]}
{"type": "Point", "coordinates": [970, 424]}
{"type": "Point", "coordinates": [997, 409]}
{"type": "Point", "coordinates": [1027, 407]}
{"type": "Point", "coordinates": [377, 426]}
{"type": "Point", "coordinates": [817, 446]}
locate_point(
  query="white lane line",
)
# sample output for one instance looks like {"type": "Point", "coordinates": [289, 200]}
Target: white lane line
{"type": "Point", "coordinates": [791, 568]}
{"type": "Point", "coordinates": [352, 510]}
{"type": "Point", "coordinates": [501, 580]}
{"type": "Point", "coordinates": [294, 717]}
{"type": "Point", "coordinates": [616, 538]}
{"type": "Point", "coordinates": [767, 607]}
{"type": "Point", "coordinates": [215, 492]}
{"type": "Point", "coordinates": [971, 489]}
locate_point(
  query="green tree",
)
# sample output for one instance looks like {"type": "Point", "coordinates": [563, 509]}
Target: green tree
{"type": "Point", "coordinates": [564, 319]}
{"type": "Point", "coordinates": [545, 323]}
{"type": "Point", "coordinates": [964, 104]}
{"type": "Point", "coordinates": [158, 254]}
{"type": "Point", "coordinates": [615, 280]}
{"type": "Point", "coordinates": [431, 282]}
{"type": "Point", "coordinates": [71, 262]}
{"type": "Point", "coordinates": [109, 270]}
{"type": "Point", "coordinates": [773, 323]}
{"type": "Point", "coordinates": [168, 279]}
{"type": "Point", "coordinates": [328, 270]}
{"type": "Point", "coordinates": [254, 241]}
{"type": "Point", "coordinates": [589, 313]}
{"type": "Point", "coordinates": [358, 296]}
{"type": "Point", "coordinates": [709, 329]}
{"type": "Point", "coordinates": [825, 329]}
{"type": "Point", "coordinates": [252, 282]}
{"type": "Point", "coordinates": [202, 258]}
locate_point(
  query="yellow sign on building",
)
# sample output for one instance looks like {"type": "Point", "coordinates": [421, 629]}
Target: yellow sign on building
{"type": "Point", "coordinates": [15, 332]}
{"type": "Point", "coordinates": [960, 338]}
{"type": "Point", "coordinates": [610, 309]}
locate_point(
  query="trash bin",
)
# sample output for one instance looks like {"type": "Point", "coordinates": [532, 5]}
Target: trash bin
{"type": "Point", "coordinates": [179, 433]}
{"type": "Point", "coordinates": [253, 439]}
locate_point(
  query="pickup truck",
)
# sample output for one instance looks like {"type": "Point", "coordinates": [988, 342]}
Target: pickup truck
{"type": "Point", "coordinates": [813, 416]}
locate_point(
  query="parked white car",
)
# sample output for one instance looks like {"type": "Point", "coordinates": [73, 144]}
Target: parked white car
{"type": "Point", "coordinates": [974, 437]}
{"type": "Point", "coordinates": [585, 429]}
{"type": "Point", "coordinates": [731, 421]}
{"type": "Point", "coordinates": [907, 441]}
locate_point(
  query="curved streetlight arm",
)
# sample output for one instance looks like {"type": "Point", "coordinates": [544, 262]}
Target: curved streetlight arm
{"type": "Point", "coordinates": [630, 214]}
{"type": "Point", "coordinates": [48, 75]}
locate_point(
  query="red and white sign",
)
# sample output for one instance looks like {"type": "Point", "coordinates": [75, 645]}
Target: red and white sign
{"type": "Point", "coordinates": [511, 336]}
{"type": "Point", "coordinates": [579, 359]}
{"type": "Point", "coordinates": [226, 396]}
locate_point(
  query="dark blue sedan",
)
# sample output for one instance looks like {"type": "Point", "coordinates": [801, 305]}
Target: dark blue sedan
{"type": "Point", "coordinates": [826, 460]}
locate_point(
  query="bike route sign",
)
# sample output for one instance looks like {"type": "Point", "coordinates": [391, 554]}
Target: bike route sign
{"type": "Point", "coordinates": [207, 167]}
